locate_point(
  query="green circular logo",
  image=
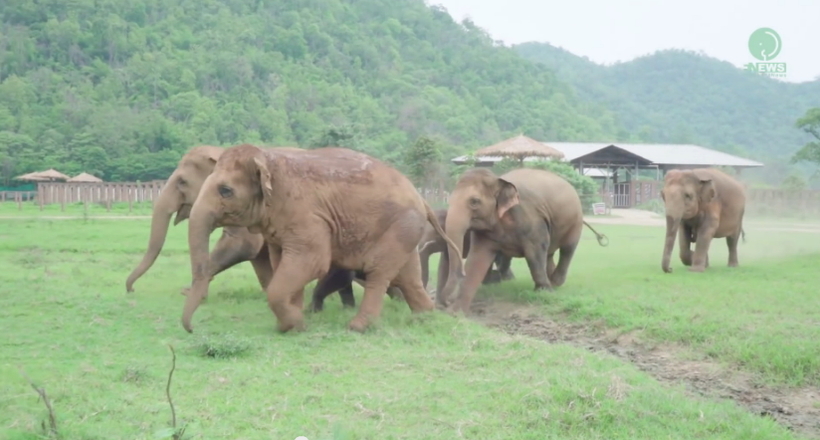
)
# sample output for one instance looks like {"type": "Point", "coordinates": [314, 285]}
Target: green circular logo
{"type": "Point", "coordinates": [764, 44]}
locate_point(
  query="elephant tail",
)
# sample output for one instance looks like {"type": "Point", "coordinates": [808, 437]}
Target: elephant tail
{"type": "Point", "coordinates": [743, 234]}
{"type": "Point", "coordinates": [431, 217]}
{"type": "Point", "coordinates": [602, 239]}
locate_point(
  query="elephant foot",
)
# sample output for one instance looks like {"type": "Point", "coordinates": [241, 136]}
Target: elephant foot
{"type": "Point", "coordinates": [359, 324]}
{"type": "Point", "coordinates": [557, 280]}
{"type": "Point", "coordinates": [292, 321]}
{"type": "Point", "coordinates": [506, 276]}
{"type": "Point", "coordinates": [315, 307]}
{"type": "Point", "coordinates": [733, 264]}
{"type": "Point", "coordinates": [456, 309]}
{"type": "Point", "coordinates": [543, 286]}
{"type": "Point", "coordinates": [185, 290]}
{"type": "Point", "coordinates": [697, 268]}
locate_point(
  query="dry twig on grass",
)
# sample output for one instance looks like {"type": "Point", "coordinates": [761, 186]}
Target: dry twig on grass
{"type": "Point", "coordinates": [177, 433]}
{"type": "Point", "coordinates": [52, 419]}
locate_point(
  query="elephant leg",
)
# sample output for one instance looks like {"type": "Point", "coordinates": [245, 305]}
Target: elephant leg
{"type": "Point", "coordinates": [704, 236]}
{"type": "Point", "coordinates": [291, 273]}
{"type": "Point", "coordinates": [395, 293]}
{"type": "Point", "coordinates": [336, 280]}
{"type": "Point", "coordinates": [685, 241]}
{"type": "Point", "coordinates": [425, 267]}
{"type": "Point", "coordinates": [550, 264]}
{"type": "Point", "coordinates": [263, 268]}
{"type": "Point", "coordinates": [479, 260]}
{"type": "Point", "coordinates": [228, 252]}
{"type": "Point", "coordinates": [731, 243]}
{"type": "Point", "coordinates": [502, 263]}
{"type": "Point", "coordinates": [408, 280]}
{"type": "Point", "coordinates": [536, 256]}
{"type": "Point", "coordinates": [559, 275]}
{"type": "Point", "coordinates": [443, 274]}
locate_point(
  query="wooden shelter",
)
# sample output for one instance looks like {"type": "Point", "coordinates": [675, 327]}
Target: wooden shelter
{"type": "Point", "coordinates": [48, 175]}
{"type": "Point", "coordinates": [520, 147]}
{"type": "Point", "coordinates": [85, 178]}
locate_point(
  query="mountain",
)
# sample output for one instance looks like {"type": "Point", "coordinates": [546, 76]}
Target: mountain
{"type": "Point", "coordinates": [121, 88]}
{"type": "Point", "coordinates": [676, 96]}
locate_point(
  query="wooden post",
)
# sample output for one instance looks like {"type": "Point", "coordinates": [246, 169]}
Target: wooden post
{"type": "Point", "coordinates": [19, 198]}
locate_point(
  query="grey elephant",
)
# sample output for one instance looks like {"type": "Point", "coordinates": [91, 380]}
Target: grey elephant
{"type": "Point", "coordinates": [525, 213]}
{"type": "Point", "coordinates": [701, 204]}
{"type": "Point", "coordinates": [431, 243]}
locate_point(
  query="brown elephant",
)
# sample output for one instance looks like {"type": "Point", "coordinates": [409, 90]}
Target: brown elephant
{"type": "Point", "coordinates": [701, 204]}
{"type": "Point", "coordinates": [431, 243]}
{"type": "Point", "coordinates": [236, 244]}
{"type": "Point", "coordinates": [178, 195]}
{"type": "Point", "coordinates": [317, 209]}
{"type": "Point", "coordinates": [526, 212]}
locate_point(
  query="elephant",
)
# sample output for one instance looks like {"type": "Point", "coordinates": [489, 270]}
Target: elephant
{"type": "Point", "coordinates": [431, 243]}
{"type": "Point", "coordinates": [525, 212]}
{"type": "Point", "coordinates": [701, 204]}
{"type": "Point", "coordinates": [317, 209]}
{"type": "Point", "coordinates": [340, 280]}
{"type": "Point", "coordinates": [236, 244]}
{"type": "Point", "coordinates": [181, 189]}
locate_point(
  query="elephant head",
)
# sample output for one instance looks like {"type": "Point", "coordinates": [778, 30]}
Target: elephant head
{"type": "Point", "coordinates": [177, 196]}
{"type": "Point", "coordinates": [684, 194]}
{"type": "Point", "coordinates": [478, 202]}
{"type": "Point", "coordinates": [238, 192]}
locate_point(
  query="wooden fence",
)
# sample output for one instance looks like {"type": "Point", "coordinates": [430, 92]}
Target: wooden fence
{"type": "Point", "coordinates": [104, 193]}
{"type": "Point", "coordinates": [628, 195]}
{"type": "Point", "coordinates": [107, 193]}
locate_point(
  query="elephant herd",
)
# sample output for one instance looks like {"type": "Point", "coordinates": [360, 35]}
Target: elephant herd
{"type": "Point", "coordinates": [337, 216]}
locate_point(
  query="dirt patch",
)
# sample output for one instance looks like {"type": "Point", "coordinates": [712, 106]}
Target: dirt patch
{"type": "Point", "coordinates": [797, 409]}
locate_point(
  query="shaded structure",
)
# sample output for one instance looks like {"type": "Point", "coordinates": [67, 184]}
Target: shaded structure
{"type": "Point", "coordinates": [49, 175]}
{"type": "Point", "coordinates": [520, 147]}
{"type": "Point", "coordinates": [85, 178]}
{"type": "Point", "coordinates": [618, 166]}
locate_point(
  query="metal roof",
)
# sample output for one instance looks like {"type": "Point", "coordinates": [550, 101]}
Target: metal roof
{"type": "Point", "coordinates": [658, 154]}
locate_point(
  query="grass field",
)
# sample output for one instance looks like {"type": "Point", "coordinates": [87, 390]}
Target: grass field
{"type": "Point", "coordinates": [103, 357]}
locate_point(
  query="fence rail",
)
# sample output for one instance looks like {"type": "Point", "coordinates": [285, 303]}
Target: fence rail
{"type": "Point", "coordinates": [758, 201]}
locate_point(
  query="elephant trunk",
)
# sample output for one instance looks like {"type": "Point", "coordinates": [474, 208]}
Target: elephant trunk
{"type": "Point", "coordinates": [199, 231]}
{"type": "Point", "coordinates": [169, 201]}
{"type": "Point", "coordinates": [672, 225]}
{"type": "Point", "coordinates": [456, 227]}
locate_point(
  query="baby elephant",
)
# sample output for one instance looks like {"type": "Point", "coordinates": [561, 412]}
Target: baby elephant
{"type": "Point", "coordinates": [342, 281]}
{"type": "Point", "coordinates": [431, 243]}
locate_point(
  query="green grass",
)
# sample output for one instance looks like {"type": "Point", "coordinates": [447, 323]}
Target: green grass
{"type": "Point", "coordinates": [763, 316]}
{"type": "Point", "coordinates": [103, 355]}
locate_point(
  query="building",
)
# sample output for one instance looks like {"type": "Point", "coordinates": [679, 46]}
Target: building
{"type": "Point", "coordinates": [618, 165]}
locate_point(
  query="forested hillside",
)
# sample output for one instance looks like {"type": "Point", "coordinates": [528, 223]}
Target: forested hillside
{"type": "Point", "coordinates": [681, 97]}
{"type": "Point", "coordinates": [120, 88]}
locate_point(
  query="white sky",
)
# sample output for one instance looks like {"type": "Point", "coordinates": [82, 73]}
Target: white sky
{"type": "Point", "coordinates": [621, 30]}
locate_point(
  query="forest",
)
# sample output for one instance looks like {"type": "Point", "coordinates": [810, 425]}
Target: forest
{"type": "Point", "coordinates": [121, 89]}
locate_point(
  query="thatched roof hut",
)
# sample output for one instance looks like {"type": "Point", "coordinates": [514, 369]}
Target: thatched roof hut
{"type": "Point", "coordinates": [48, 175]}
{"type": "Point", "coordinates": [520, 147]}
{"type": "Point", "coordinates": [85, 178]}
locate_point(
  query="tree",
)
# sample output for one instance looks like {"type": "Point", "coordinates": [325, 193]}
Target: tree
{"type": "Point", "coordinates": [422, 160]}
{"type": "Point", "coordinates": [810, 123]}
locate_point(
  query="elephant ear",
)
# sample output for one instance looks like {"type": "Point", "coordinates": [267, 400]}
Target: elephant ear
{"type": "Point", "coordinates": [506, 198]}
{"type": "Point", "coordinates": [707, 189]}
{"type": "Point", "coordinates": [264, 180]}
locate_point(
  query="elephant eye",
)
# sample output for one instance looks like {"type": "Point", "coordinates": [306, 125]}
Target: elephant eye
{"type": "Point", "coordinates": [688, 196]}
{"type": "Point", "coordinates": [225, 191]}
{"type": "Point", "coordinates": [474, 201]}
{"type": "Point", "coordinates": [182, 182]}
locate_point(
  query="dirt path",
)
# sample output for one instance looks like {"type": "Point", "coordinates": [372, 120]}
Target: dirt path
{"type": "Point", "coordinates": [793, 408]}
